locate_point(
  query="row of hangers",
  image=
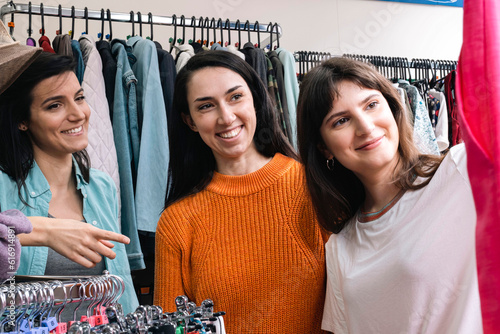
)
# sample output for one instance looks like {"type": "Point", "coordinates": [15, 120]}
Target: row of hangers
{"type": "Point", "coordinates": [306, 60]}
{"type": "Point", "coordinates": [202, 24]}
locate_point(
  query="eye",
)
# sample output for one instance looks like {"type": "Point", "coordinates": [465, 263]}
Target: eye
{"type": "Point", "coordinates": [80, 98]}
{"type": "Point", "coordinates": [205, 106]}
{"type": "Point", "coordinates": [340, 122]}
{"type": "Point", "coordinates": [372, 105]}
{"type": "Point", "coordinates": [236, 96]}
{"type": "Point", "coordinates": [53, 106]}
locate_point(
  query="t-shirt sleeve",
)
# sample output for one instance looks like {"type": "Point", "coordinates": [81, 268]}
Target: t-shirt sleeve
{"type": "Point", "coordinates": [334, 318]}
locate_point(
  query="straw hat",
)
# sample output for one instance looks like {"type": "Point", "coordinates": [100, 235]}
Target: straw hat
{"type": "Point", "coordinates": [14, 58]}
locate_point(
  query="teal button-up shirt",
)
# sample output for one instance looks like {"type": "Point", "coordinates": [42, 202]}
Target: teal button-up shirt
{"type": "Point", "coordinates": [100, 208]}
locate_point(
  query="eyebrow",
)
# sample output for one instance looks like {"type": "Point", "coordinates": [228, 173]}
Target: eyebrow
{"type": "Point", "coordinates": [229, 91]}
{"type": "Point", "coordinates": [341, 113]}
{"type": "Point", "coordinates": [60, 97]}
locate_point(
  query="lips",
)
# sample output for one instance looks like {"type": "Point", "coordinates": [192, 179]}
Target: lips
{"type": "Point", "coordinates": [370, 144]}
{"type": "Point", "coordinates": [74, 130]}
{"type": "Point", "coordinates": [231, 133]}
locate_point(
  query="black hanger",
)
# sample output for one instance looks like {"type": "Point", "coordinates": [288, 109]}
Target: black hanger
{"type": "Point", "coordinates": [201, 25]}
{"type": "Point", "coordinates": [172, 40]}
{"type": "Point", "coordinates": [270, 29]}
{"type": "Point", "coordinates": [193, 25]}
{"type": "Point", "coordinates": [150, 21]}
{"type": "Point", "coordinates": [214, 30]}
{"type": "Point", "coordinates": [183, 24]}
{"type": "Point", "coordinates": [59, 14]}
{"type": "Point", "coordinates": [207, 25]}
{"type": "Point", "coordinates": [139, 20]}
{"type": "Point", "coordinates": [132, 20]}
{"type": "Point", "coordinates": [30, 30]}
{"type": "Point", "coordinates": [219, 25]}
{"type": "Point", "coordinates": [227, 26]}
{"type": "Point", "coordinates": [238, 26]}
{"type": "Point", "coordinates": [42, 29]}
{"type": "Point", "coordinates": [246, 27]}
{"type": "Point", "coordinates": [101, 34]}
{"type": "Point", "coordinates": [72, 22]}
{"type": "Point", "coordinates": [110, 35]}
{"type": "Point", "coordinates": [257, 25]}
{"type": "Point", "coordinates": [86, 16]}
{"type": "Point", "coordinates": [277, 36]}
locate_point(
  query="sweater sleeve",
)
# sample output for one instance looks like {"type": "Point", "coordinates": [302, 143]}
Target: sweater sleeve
{"type": "Point", "coordinates": [479, 108]}
{"type": "Point", "coordinates": [168, 265]}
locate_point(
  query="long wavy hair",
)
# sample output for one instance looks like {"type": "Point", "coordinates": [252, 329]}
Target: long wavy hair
{"type": "Point", "coordinates": [338, 194]}
{"type": "Point", "coordinates": [16, 148]}
{"type": "Point", "coordinates": [192, 162]}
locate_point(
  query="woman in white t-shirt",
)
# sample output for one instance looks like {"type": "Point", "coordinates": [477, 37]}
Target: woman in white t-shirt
{"type": "Point", "coordinates": [402, 256]}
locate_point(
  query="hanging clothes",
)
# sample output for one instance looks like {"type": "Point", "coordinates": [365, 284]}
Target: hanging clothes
{"type": "Point", "coordinates": [256, 58]}
{"type": "Point", "coordinates": [151, 183]}
{"type": "Point", "coordinates": [101, 148]}
{"type": "Point", "coordinates": [44, 43]}
{"type": "Point", "coordinates": [292, 90]}
{"type": "Point", "coordinates": [455, 135]}
{"type": "Point", "coordinates": [109, 73]}
{"type": "Point", "coordinates": [184, 52]}
{"type": "Point", "coordinates": [124, 124]}
{"type": "Point", "coordinates": [62, 45]}
{"type": "Point", "coordinates": [77, 56]}
{"type": "Point", "coordinates": [168, 73]}
{"type": "Point", "coordinates": [423, 135]}
{"type": "Point", "coordinates": [478, 103]}
{"type": "Point", "coordinates": [441, 129]}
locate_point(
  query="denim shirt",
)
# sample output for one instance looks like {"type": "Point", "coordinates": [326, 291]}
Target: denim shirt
{"type": "Point", "coordinates": [100, 208]}
{"type": "Point", "coordinates": [126, 135]}
{"type": "Point", "coordinates": [151, 183]}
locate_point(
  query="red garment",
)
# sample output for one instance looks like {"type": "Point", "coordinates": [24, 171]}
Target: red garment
{"type": "Point", "coordinates": [478, 97]}
{"type": "Point", "coordinates": [44, 43]}
{"type": "Point", "coordinates": [453, 122]}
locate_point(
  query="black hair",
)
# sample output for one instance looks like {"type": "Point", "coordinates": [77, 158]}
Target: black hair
{"type": "Point", "coordinates": [192, 162]}
{"type": "Point", "coordinates": [16, 148]}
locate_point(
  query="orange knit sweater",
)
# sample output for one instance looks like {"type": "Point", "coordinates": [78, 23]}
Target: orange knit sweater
{"type": "Point", "coordinates": [250, 243]}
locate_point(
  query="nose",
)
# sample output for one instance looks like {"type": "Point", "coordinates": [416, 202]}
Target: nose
{"type": "Point", "coordinates": [77, 112]}
{"type": "Point", "coordinates": [226, 115]}
{"type": "Point", "coordinates": [364, 125]}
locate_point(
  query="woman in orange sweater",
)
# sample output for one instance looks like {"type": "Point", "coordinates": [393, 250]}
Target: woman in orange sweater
{"type": "Point", "coordinates": [238, 226]}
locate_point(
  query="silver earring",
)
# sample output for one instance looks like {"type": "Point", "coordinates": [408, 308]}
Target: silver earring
{"type": "Point", "coordinates": [330, 163]}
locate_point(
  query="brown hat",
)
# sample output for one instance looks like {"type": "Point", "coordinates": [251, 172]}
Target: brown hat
{"type": "Point", "coordinates": [14, 58]}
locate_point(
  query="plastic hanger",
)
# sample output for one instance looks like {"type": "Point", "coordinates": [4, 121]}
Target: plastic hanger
{"type": "Point", "coordinates": [247, 28]}
{"type": "Point", "coordinates": [139, 20]}
{"type": "Point", "coordinates": [183, 24]}
{"type": "Point", "coordinates": [257, 26]}
{"type": "Point", "coordinates": [30, 40]}
{"type": "Point", "coordinates": [42, 18]}
{"type": "Point", "coordinates": [214, 30]}
{"type": "Point", "coordinates": [220, 26]}
{"type": "Point", "coordinates": [238, 26]}
{"type": "Point", "coordinates": [207, 25]}
{"type": "Point", "coordinates": [227, 26]}
{"type": "Point", "coordinates": [270, 29]}
{"type": "Point", "coordinates": [100, 35]}
{"type": "Point", "coordinates": [109, 36]}
{"type": "Point", "coordinates": [72, 31]}
{"type": "Point", "coordinates": [172, 40]}
{"type": "Point", "coordinates": [275, 27]}
{"type": "Point", "coordinates": [193, 26]}
{"type": "Point", "coordinates": [59, 14]}
{"type": "Point", "coordinates": [132, 20]}
{"type": "Point", "coordinates": [150, 21]}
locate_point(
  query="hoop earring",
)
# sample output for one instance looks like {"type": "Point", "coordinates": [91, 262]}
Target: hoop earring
{"type": "Point", "coordinates": [23, 127]}
{"type": "Point", "coordinates": [330, 163]}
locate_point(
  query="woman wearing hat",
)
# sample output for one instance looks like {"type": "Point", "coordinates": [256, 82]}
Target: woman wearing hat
{"type": "Point", "coordinates": [45, 173]}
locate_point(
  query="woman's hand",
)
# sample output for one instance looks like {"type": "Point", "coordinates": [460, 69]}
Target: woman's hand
{"type": "Point", "coordinates": [78, 241]}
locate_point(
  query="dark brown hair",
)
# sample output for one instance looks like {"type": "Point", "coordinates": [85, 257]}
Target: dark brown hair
{"type": "Point", "coordinates": [338, 194]}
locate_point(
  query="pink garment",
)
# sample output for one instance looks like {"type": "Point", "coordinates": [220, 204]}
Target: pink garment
{"type": "Point", "coordinates": [478, 98]}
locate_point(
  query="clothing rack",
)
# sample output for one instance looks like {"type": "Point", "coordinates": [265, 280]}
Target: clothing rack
{"type": "Point", "coordinates": [144, 19]}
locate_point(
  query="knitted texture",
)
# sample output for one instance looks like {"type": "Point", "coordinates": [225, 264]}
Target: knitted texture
{"type": "Point", "coordinates": [250, 243]}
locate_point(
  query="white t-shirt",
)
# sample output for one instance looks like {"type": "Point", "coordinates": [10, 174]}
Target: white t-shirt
{"type": "Point", "coordinates": [413, 270]}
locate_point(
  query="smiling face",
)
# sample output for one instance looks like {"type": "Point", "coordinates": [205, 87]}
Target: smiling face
{"type": "Point", "coordinates": [360, 132]}
{"type": "Point", "coordinates": [59, 117]}
{"type": "Point", "coordinates": [222, 111]}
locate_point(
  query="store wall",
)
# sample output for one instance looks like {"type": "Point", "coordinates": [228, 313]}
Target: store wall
{"type": "Point", "coordinates": [337, 26]}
